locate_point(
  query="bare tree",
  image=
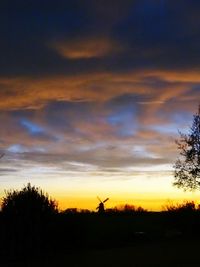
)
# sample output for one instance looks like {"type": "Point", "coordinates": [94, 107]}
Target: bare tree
{"type": "Point", "coordinates": [187, 166]}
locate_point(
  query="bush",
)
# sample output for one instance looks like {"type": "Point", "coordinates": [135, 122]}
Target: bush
{"type": "Point", "coordinates": [127, 208]}
{"type": "Point", "coordinates": [27, 221]}
{"type": "Point", "coordinates": [29, 201]}
{"type": "Point", "coordinates": [185, 217]}
{"type": "Point", "coordinates": [187, 206]}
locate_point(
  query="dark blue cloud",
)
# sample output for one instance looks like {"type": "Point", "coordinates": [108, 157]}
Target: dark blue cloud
{"type": "Point", "coordinates": [154, 34]}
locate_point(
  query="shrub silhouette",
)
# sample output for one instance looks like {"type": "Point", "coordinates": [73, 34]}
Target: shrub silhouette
{"type": "Point", "coordinates": [184, 217]}
{"type": "Point", "coordinates": [27, 218]}
{"type": "Point", "coordinates": [127, 208]}
{"type": "Point", "coordinates": [187, 206]}
{"type": "Point", "coordinates": [29, 201]}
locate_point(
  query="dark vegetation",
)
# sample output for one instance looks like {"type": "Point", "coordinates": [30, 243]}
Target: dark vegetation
{"type": "Point", "coordinates": [187, 166]}
{"type": "Point", "coordinates": [33, 230]}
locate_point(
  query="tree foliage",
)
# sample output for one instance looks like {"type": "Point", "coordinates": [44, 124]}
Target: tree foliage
{"type": "Point", "coordinates": [28, 216]}
{"type": "Point", "coordinates": [187, 167]}
{"type": "Point", "coordinates": [30, 201]}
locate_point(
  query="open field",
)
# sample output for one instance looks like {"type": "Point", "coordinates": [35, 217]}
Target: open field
{"type": "Point", "coordinates": [148, 239]}
{"type": "Point", "coordinates": [173, 253]}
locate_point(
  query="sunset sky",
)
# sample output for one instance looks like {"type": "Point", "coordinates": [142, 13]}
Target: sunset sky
{"type": "Point", "coordinates": [92, 95]}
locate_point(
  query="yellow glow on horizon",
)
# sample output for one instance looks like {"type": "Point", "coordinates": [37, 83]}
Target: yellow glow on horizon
{"type": "Point", "coordinates": [150, 190]}
{"type": "Point", "coordinates": [151, 203]}
{"type": "Point", "coordinates": [150, 193]}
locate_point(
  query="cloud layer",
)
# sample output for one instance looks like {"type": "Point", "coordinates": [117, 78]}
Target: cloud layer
{"type": "Point", "coordinates": [96, 87]}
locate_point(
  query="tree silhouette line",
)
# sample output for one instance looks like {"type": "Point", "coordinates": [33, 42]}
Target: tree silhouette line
{"type": "Point", "coordinates": [31, 224]}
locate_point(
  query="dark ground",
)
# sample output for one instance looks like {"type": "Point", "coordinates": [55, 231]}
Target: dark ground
{"type": "Point", "coordinates": [125, 240]}
{"type": "Point", "coordinates": [171, 253]}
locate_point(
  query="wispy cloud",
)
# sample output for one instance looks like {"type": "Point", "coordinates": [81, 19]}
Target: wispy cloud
{"type": "Point", "coordinates": [86, 48]}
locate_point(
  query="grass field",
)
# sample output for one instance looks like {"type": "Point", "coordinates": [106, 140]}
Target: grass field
{"type": "Point", "coordinates": [171, 253]}
{"type": "Point", "coordinates": [90, 240]}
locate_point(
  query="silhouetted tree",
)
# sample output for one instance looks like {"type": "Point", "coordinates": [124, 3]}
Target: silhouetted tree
{"type": "Point", "coordinates": [27, 215]}
{"type": "Point", "coordinates": [29, 201]}
{"type": "Point", "coordinates": [187, 167]}
{"type": "Point", "coordinates": [187, 206]}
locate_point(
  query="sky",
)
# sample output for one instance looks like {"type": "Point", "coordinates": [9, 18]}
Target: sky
{"type": "Point", "coordinates": [92, 95]}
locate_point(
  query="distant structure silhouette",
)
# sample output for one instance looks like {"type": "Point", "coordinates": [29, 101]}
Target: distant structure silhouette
{"type": "Point", "coordinates": [2, 155]}
{"type": "Point", "coordinates": [101, 208]}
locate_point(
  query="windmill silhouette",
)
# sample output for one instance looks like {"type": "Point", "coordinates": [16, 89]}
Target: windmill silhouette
{"type": "Point", "coordinates": [101, 207]}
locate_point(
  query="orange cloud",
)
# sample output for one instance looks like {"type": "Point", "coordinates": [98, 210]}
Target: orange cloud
{"type": "Point", "coordinates": [184, 76]}
{"type": "Point", "coordinates": [34, 93]}
{"type": "Point", "coordinates": [86, 48]}
{"type": "Point", "coordinates": [30, 93]}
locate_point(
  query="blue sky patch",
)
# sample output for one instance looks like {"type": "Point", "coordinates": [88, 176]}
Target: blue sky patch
{"type": "Point", "coordinates": [32, 127]}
